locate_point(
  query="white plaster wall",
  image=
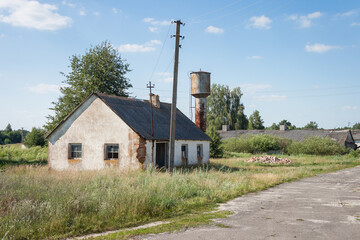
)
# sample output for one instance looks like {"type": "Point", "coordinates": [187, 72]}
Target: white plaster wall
{"type": "Point", "coordinates": [192, 151]}
{"type": "Point", "coordinates": [93, 125]}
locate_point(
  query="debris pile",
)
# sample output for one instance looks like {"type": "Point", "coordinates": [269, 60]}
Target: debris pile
{"type": "Point", "coordinates": [269, 160]}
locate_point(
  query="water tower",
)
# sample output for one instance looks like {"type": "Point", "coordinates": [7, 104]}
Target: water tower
{"type": "Point", "coordinates": [200, 89]}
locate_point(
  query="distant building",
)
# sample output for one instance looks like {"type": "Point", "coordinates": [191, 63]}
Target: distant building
{"type": "Point", "coordinates": [343, 137]}
{"type": "Point", "coordinates": [356, 136]}
{"type": "Point", "coordinates": [116, 131]}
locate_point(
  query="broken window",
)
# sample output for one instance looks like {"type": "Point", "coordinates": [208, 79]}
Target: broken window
{"type": "Point", "coordinates": [75, 151]}
{"type": "Point", "coordinates": [184, 152]}
{"type": "Point", "coordinates": [199, 150]}
{"type": "Point", "coordinates": [111, 151]}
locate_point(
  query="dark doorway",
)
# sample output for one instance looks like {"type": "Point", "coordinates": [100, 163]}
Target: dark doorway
{"type": "Point", "coordinates": [161, 154]}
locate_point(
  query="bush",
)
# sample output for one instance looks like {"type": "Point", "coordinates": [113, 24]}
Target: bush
{"type": "Point", "coordinates": [216, 149]}
{"type": "Point", "coordinates": [256, 144]}
{"type": "Point", "coordinates": [354, 154]}
{"type": "Point", "coordinates": [317, 146]}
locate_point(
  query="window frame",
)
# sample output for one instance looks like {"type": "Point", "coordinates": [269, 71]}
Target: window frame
{"type": "Point", "coordinates": [70, 151]}
{"type": "Point", "coordinates": [201, 155]}
{"type": "Point", "coordinates": [106, 152]}
{"type": "Point", "coordinates": [186, 152]}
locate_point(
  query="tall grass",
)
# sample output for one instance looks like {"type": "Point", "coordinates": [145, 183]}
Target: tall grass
{"type": "Point", "coordinates": [15, 154]}
{"type": "Point", "coordinates": [37, 203]}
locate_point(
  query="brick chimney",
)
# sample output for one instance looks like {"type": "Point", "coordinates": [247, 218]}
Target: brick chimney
{"type": "Point", "coordinates": [155, 100]}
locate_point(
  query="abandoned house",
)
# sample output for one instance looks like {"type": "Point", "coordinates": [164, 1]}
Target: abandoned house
{"type": "Point", "coordinates": [116, 131]}
{"type": "Point", "coordinates": [343, 137]}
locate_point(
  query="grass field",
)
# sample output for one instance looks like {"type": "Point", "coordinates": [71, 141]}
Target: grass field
{"type": "Point", "coordinates": [37, 203]}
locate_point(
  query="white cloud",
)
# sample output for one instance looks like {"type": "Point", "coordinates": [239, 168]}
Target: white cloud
{"type": "Point", "coordinates": [214, 30]}
{"type": "Point", "coordinates": [347, 14]}
{"type": "Point", "coordinates": [165, 77]}
{"type": "Point", "coordinates": [157, 22]}
{"type": "Point", "coordinates": [96, 13]}
{"type": "Point", "coordinates": [355, 24]}
{"type": "Point", "coordinates": [68, 4]}
{"type": "Point", "coordinates": [148, 19]}
{"type": "Point", "coordinates": [256, 57]}
{"type": "Point", "coordinates": [260, 22]}
{"type": "Point", "coordinates": [251, 88]}
{"type": "Point", "coordinates": [146, 47]}
{"type": "Point", "coordinates": [45, 88]}
{"type": "Point", "coordinates": [114, 10]}
{"type": "Point", "coordinates": [350, 108]}
{"type": "Point", "coordinates": [153, 29]}
{"type": "Point", "coordinates": [270, 98]}
{"type": "Point", "coordinates": [32, 14]}
{"type": "Point", "coordinates": [319, 48]}
{"type": "Point", "coordinates": [305, 21]}
{"type": "Point", "coordinates": [163, 73]}
{"type": "Point", "coordinates": [154, 42]}
{"type": "Point", "coordinates": [82, 13]}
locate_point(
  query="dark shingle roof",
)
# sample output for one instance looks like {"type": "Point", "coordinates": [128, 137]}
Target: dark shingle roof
{"type": "Point", "coordinates": [136, 114]}
{"type": "Point", "coordinates": [296, 135]}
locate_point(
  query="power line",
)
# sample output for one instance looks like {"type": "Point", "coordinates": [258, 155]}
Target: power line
{"type": "Point", "coordinates": [162, 48]}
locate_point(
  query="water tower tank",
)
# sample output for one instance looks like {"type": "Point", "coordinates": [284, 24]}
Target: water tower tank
{"type": "Point", "coordinates": [200, 84]}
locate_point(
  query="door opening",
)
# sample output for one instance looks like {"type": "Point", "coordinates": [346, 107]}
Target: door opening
{"type": "Point", "coordinates": [161, 155]}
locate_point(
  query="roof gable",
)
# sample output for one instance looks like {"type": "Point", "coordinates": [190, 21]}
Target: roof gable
{"type": "Point", "coordinates": [136, 114]}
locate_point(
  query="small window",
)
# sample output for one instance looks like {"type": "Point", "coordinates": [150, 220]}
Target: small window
{"type": "Point", "coordinates": [184, 152]}
{"type": "Point", "coordinates": [199, 150]}
{"type": "Point", "coordinates": [75, 151]}
{"type": "Point", "coordinates": [111, 151]}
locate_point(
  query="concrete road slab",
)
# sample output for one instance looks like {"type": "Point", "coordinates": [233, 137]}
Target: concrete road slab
{"type": "Point", "coordinates": [323, 207]}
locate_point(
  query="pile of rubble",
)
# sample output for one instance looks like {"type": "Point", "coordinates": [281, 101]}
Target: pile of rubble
{"type": "Point", "coordinates": [269, 160]}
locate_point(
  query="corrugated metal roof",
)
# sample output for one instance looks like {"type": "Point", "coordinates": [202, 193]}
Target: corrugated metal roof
{"type": "Point", "coordinates": [356, 134]}
{"type": "Point", "coordinates": [136, 114]}
{"type": "Point", "coordinates": [296, 135]}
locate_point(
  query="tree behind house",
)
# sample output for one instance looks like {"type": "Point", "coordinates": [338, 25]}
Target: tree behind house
{"type": "Point", "coordinates": [35, 138]}
{"type": "Point", "coordinates": [100, 69]}
{"type": "Point", "coordinates": [255, 121]}
{"type": "Point", "coordinates": [224, 108]}
{"type": "Point", "coordinates": [311, 125]}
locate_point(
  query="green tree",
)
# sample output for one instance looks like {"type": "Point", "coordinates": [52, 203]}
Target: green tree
{"type": "Point", "coordinates": [255, 121]}
{"type": "Point", "coordinates": [356, 126]}
{"type": "Point", "coordinates": [8, 128]}
{"type": "Point", "coordinates": [311, 125]}
{"type": "Point", "coordinates": [224, 108]}
{"type": "Point", "coordinates": [216, 149]}
{"type": "Point", "coordinates": [100, 69]}
{"type": "Point", "coordinates": [288, 124]}
{"type": "Point", "coordinates": [274, 126]}
{"type": "Point", "coordinates": [35, 138]}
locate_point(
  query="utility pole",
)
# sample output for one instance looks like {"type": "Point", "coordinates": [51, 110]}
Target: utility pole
{"type": "Point", "coordinates": [150, 86]}
{"type": "Point", "coordinates": [174, 96]}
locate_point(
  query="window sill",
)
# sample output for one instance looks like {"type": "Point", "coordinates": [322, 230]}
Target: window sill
{"type": "Point", "coordinates": [74, 160]}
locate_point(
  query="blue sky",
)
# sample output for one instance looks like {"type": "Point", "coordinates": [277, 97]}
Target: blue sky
{"type": "Point", "coordinates": [294, 60]}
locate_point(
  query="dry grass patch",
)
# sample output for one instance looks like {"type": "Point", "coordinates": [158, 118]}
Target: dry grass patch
{"type": "Point", "coordinates": [37, 203]}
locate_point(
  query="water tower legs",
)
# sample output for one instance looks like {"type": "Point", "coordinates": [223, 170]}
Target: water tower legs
{"type": "Point", "coordinates": [200, 113]}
